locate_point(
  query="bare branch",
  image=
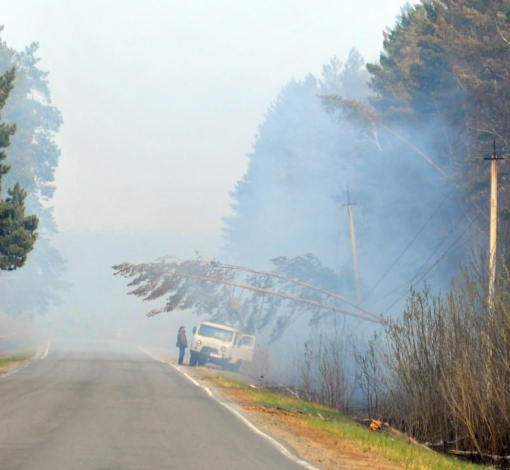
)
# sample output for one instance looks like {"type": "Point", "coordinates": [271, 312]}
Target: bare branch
{"type": "Point", "coordinates": [314, 303]}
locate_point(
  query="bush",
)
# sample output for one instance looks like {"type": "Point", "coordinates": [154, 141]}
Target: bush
{"type": "Point", "coordinates": [444, 367]}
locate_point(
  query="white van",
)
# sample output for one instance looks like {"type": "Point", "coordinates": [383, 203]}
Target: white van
{"type": "Point", "coordinates": [220, 344]}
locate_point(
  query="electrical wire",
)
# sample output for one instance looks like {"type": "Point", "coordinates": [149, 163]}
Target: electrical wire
{"type": "Point", "coordinates": [450, 250]}
{"type": "Point", "coordinates": [423, 267]}
{"type": "Point", "coordinates": [410, 243]}
{"type": "Point", "coordinates": [441, 243]}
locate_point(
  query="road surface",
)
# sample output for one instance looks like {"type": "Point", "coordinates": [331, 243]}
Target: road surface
{"type": "Point", "coordinates": [109, 406]}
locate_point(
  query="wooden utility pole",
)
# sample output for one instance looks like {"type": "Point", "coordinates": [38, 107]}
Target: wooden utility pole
{"type": "Point", "coordinates": [353, 245]}
{"type": "Point", "coordinates": [493, 226]}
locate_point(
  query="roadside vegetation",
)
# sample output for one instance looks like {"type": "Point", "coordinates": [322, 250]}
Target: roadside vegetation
{"type": "Point", "coordinates": [6, 360]}
{"type": "Point", "coordinates": [322, 422]}
{"type": "Point", "coordinates": [439, 374]}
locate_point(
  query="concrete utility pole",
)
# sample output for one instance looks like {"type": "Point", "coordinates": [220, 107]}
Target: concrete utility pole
{"type": "Point", "coordinates": [493, 225]}
{"type": "Point", "coordinates": [353, 245]}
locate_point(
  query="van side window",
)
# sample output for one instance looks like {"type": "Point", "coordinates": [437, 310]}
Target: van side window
{"type": "Point", "coordinates": [245, 341]}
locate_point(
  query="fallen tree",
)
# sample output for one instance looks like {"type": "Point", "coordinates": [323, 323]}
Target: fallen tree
{"type": "Point", "coordinates": [249, 298]}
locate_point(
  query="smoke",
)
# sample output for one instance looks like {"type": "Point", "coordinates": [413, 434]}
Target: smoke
{"type": "Point", "coordinates": [310, 159]}
{"type": "Point", "coordinates": [97, 307]}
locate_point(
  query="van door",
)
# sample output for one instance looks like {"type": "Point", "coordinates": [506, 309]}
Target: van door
{"type": "Point", "coordinates": [245, 347]}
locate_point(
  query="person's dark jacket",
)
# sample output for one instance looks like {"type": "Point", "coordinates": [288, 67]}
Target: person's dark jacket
{"type": "Point", "coordinates": [182, 341]}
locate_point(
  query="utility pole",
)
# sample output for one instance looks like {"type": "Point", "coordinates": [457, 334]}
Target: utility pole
{"type": "Point", "coordinates": [353, 245]}
{"type": "Point", "coordinates": [493, 226]}
{"type": "Point", "coordinates": [492, 266]}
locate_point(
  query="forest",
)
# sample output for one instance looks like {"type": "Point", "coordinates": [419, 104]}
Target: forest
{"type": "Point", "coordinates": [390, 154]}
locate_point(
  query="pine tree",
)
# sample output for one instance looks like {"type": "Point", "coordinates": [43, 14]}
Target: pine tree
{"type": "Point", "coordinates": [17, 231]}
{"type": "Point", "coordinates": [34, 156]}
{"type": "Point", "coordinates": [445, 68]}
{"type": "Point", "coordinates": [278, 207]}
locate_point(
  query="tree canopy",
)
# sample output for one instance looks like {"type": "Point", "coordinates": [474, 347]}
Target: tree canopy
{"type": "Point", "coordinates": [17, 231]}
{"type": "Point", "coordinates": [322, 138]}
{"type": "Point", "coordinates": [444, 67]}
{"type": "Point", "coordinates": [253, 300]}
{"type": "Point", "coordinates": [284, 205]}
{"type": "Point", "coordinates": [33, 158]}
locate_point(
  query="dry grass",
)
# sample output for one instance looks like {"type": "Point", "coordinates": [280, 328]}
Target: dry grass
{"type": "Point", "coordinates": [329, 439]}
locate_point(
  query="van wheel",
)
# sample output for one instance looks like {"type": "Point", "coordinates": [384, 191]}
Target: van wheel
{"type": "Point", "coordinates": [202, 360]}
{"type": "Point", "coordinates": [193, 359]}
{"type": "Point", "coordinates": [235, 367]}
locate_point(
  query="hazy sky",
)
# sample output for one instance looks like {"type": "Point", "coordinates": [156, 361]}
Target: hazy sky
{"type": "Point", "coordinates": [161, 98]}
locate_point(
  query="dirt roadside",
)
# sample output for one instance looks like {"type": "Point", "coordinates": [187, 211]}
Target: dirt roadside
{"type": "Point", "coordinates": [320, 449]}
{"type": "Point", "coordinates": [15, 365]}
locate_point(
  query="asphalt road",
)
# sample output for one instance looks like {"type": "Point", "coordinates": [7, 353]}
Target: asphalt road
{"type": "Point", "coordinates": [109, 406]}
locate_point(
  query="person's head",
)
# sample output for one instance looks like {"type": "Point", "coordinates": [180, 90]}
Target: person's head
{"type": "Point", "coordinates": [182, 328]}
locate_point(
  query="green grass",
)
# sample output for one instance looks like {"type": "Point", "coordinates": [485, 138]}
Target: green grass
{"type": "Point", "coordinates": [15, 358]}
{"type": "Point", "coordinates": [392, 446]}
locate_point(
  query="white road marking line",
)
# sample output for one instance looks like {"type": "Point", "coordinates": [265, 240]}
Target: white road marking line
{"type": "Point", "coordinates": [191, 379]}
{"type": "Point", "coordinates": [47, 350]}
{"type": "Point", "coordinates": [3, 376]}
{"type": "Point", "coordinates": [22, 365]}
{"type": "Point", "coordinates": [236, 413]}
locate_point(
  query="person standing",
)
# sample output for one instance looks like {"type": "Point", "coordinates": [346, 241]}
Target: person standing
{"type": "Point", "coordinates": [182, 343]}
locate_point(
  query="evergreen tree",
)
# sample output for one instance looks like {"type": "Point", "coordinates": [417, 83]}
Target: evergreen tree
{"type": "Point", "coordinates": [288, 202]}
{"type": "Point", "coordinates": [17, 231]}
{"type": "Point", "coordinates": [445, 67]}
{"type": "Point", "coordinates": [284, 205]}
{"type": "Point", "coordinates": [34, 158]}
{"type": "Point", "coordinates": [291, 200]}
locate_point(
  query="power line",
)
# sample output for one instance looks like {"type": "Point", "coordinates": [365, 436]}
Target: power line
{"type": "Point", "coordinates": [423, 267]}
{"type": "Point", "coordinates": [410, 243]}
{"type": "Point", "coordinates": [450, 249]}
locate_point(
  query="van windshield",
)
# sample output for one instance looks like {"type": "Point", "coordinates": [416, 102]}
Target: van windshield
{"type": "Point", "coordinates": [218, 333]}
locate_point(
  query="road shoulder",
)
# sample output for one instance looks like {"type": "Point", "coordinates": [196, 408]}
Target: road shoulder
{"type": "Point", "coordinates": [320, 449]}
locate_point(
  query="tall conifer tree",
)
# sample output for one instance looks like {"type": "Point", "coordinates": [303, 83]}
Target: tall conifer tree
{"type": "Point", "coordinates": [17, 231]}
{"type": "Point", "coordinates": [33, 157]}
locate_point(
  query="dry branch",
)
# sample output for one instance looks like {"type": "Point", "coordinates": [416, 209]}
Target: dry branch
{"type": "Point", "coordinates": [293, 281]}
{"type": "Point", "coordinates": [314, 303]}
